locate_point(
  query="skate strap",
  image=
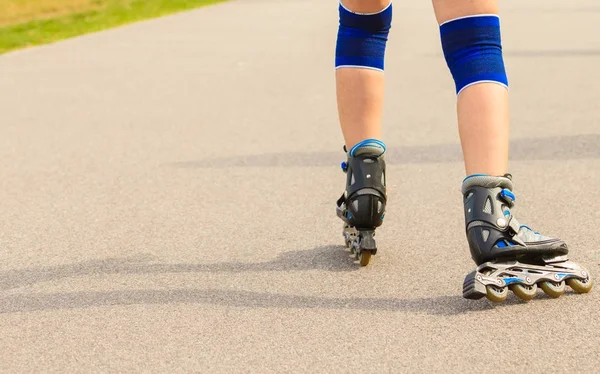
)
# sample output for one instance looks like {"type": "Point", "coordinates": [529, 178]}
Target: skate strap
{"type": "Point", "coordinates": [514, 226]}
{"type": "Point", "coordinates": [508, 197]}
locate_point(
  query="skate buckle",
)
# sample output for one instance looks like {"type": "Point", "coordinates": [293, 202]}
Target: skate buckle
{"type": "Point", "coordinates": [554, 259]}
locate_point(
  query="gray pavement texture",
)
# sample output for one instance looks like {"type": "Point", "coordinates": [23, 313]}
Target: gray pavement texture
{"type": "Point", "coordinates": [167, 199]}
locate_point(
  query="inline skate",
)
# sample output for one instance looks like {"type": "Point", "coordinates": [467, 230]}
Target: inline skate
{"type": "Point", "coordinates": [511, 256]}
{"type": "Point", "coordinates": [362, 205]}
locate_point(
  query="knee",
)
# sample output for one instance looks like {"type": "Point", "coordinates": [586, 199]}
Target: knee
{"type": "Point", "coordinates": [472, 48]}
{"type": "Point", "coordinates": [362, 37]}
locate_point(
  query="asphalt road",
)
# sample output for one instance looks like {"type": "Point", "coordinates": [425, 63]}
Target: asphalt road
{"type": "Point", "coordinates": [167, 199]}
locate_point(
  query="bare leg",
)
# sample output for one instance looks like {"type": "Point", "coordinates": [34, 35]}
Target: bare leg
{"type": "Point", "coordinates": [472, 48]}
{"type": "Point", "coordinates": [359, 60]}
{"type": "Point", "coordinates": [482, 109]}
{"type": "Point", "coordinates": [360, 90]}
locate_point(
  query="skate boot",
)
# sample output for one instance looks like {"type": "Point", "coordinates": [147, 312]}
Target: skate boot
{"type": "Point", "coordinates": [362, 206]}
{"type": "Point", "coordinates": [510, 255]}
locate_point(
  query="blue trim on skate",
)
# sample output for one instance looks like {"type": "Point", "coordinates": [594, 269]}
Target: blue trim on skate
{"type": "Point", "coordinates": [529, 228]}
{"type": "Point", "coordinates": [504, 244]}
{"type": "Point", "coordinates": [562, 275]}
{"type": "Point", "coordinates": [511, 280]}
{"type": "Point", "coordinates": [344, 166]}
{"type": "Point", "coordinates": [475, 175]}
{"type": "Point", "coordinates": [506, 213]}
{"type": "Point", "coordinates": [507, 193]}
{"type": "Point", "coordinates": [373, 143]}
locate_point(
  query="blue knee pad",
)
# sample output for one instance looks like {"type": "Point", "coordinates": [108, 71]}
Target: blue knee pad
{"type": "Point", "coordinates": [473, 50]}
{"type": "Point", "coordinates": [362, 38]}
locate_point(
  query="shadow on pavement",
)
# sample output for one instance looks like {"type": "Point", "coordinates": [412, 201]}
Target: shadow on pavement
{"type": "Point", "coordinates": [555, 53]}
{"type": "Point", "coordinates": [333, 258]}
{"type": "Point", "coordinates": [438, 305]}
{"type": "Point", "coordinates": [550, 148]}
{"type": "Point", "coordinates": [562, 11]}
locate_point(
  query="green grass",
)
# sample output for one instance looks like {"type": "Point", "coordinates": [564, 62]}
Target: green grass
{"type": "Point", "coordinates": [113, 13]}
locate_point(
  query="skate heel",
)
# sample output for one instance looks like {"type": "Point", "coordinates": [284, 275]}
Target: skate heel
{"type": "Point", "coordinates": [367, 241]}
{"type": "Point", "coordinates": [365, 210]}
{"type": "Point", "coordinates": [472, 289]}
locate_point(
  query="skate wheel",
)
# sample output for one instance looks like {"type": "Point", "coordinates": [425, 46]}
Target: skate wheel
{"type": "Point", "coordinates": [553, 289]}
{"type": "Point", "coordinates": [524, 291]}
{"type": "Point", "coordinates": [365, 257]}
{"type": "Point", "coordinates": [348, 236]}
{"type": "Point", "coordinates": [496, 294]}
{"type": "Point", "coordinates": [580, 286]}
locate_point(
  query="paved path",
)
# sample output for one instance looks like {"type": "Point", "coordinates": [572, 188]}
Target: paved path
{"type": "Point", "coordinates": [167, 199]}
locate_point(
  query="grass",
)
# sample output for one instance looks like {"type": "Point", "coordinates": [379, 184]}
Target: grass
{"type": "Point", "coordinates": [25, 23]}
{"type": "Point", "coordinates": [20, 11]}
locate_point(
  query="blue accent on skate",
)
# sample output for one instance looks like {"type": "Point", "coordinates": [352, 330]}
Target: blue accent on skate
{"type": "Point", "coordinates": [530, 229]}
{"type": "Point", "coordinates": [362, 38]}
{"type": "Point", "coordinates": [344, 166]}
{"type": "Point", "coordinates": [475, 175]}
{"type": "Point", "coordinates": [371, 143]}
{"type": "Point", "coordinates": [504, 243]}
{"type": "Point", "coordinates": [473, 50]}
{"type": "Point", "coordinates": [508, 194]}
{"type": "Point", "coordinates": [512, 280]}
{"type": "Point", "coordinates": [562, 275]}
{"type": "Point", "coordinates": [506, 213]}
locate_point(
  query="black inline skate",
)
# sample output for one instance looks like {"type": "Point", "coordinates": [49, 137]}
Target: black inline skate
{"type": "Point", "coordinates": [362, 205]}
{"type": "Point", "coordinates": [510, 255]}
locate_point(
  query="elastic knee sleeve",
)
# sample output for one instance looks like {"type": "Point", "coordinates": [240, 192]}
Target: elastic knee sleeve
{"type": "Point", "coordinates": [473, 50]}
{"type": "Point", "coordinates": [362, 38]}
